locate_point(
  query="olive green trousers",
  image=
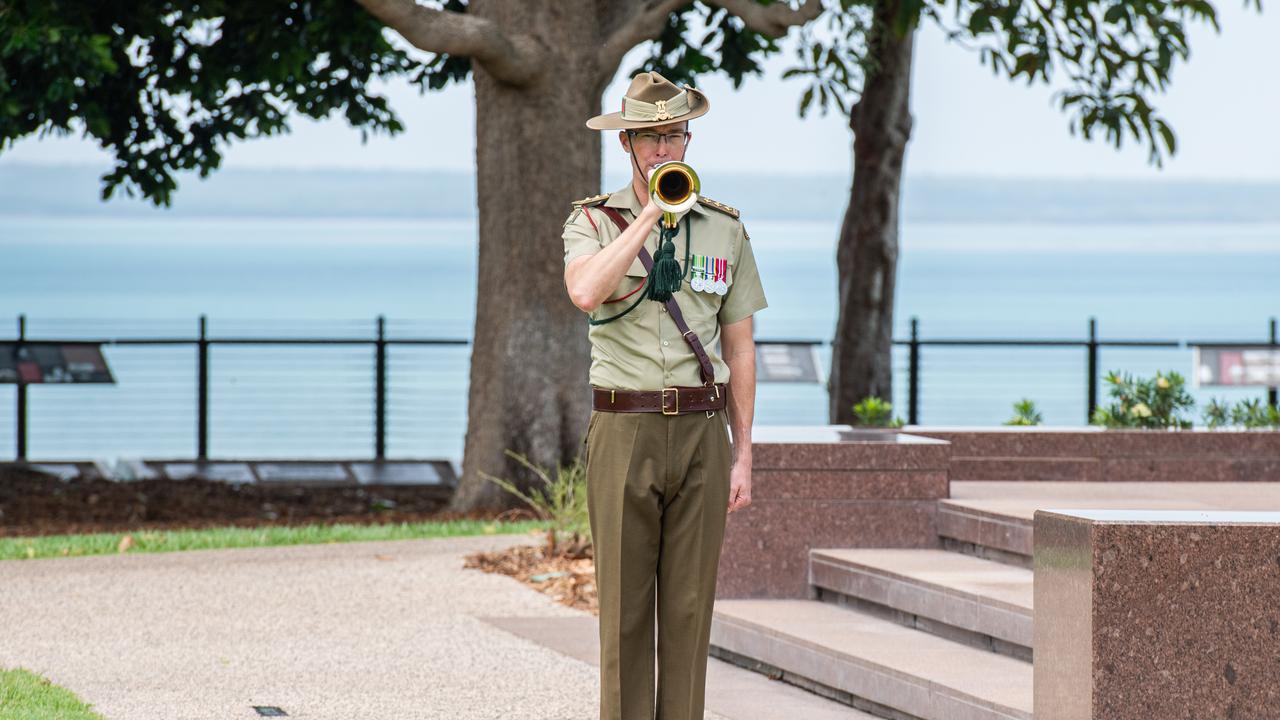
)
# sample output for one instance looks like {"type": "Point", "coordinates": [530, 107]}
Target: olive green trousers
{"type": "Point", "coordinates": [657, 496]}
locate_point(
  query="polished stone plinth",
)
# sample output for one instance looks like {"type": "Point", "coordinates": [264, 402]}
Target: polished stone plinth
{"type": "Point", "coordinates": [1157, 614]}
{"type": "Point", "coordinates": [824, 487]}
{"type": "Point", "coordinates": [1096, 454]}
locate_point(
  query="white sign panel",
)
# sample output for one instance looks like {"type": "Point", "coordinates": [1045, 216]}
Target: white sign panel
{"type": "Point", "coordinates": [787, 362]}
{"type": "Point", "coordinates": [1233, 365]}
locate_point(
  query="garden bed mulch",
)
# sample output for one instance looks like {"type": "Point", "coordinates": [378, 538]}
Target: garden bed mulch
{"type": "Point", "coordinates": [35, 503]}
{"type": "Point", "coordinates": [568, 576]}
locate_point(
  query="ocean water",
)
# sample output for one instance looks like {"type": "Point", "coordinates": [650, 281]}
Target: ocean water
{"type": "Point", "coordinates": [120, 277]}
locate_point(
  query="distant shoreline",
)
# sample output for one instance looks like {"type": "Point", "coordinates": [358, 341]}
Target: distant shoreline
{"type": "Point", "coordinates": [74, 190]}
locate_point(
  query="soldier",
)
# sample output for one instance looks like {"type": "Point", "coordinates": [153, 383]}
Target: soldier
{"type": "Point", "coordinates": [661, 472]}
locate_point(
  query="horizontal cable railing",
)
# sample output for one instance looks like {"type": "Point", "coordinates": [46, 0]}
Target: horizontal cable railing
{"type": "Point", "coordinates": [316, 388]}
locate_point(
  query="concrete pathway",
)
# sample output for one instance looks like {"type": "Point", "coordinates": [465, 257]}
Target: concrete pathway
{"type": "Point", "coordinates": [355, 630]}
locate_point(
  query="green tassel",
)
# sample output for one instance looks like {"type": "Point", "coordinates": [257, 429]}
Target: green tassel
{"type": "Point", "coordinates": [666, 274]}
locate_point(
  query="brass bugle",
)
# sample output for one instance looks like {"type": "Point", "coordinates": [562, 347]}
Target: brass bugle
{"type": "Point", "coordinates": [674, 187]}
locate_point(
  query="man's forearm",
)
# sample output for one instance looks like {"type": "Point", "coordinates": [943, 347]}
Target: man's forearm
{"type": "Point", "coordinates": [600, 274]}
{"type": "Point", "coordinates": [742, 400]}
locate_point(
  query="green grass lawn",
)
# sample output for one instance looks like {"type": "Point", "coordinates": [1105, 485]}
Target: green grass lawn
{"type": "Point", "coordinates": [27, 696]}
{"type": "Point", "coordinates": [148, 541]}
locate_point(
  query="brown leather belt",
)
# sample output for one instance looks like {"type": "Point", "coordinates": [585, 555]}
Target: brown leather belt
{"type": "Point", "coordinates": [669, 400]}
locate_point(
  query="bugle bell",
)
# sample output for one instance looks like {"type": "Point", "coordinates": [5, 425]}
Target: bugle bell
{"type": "Point", "coordinates": [674, 187]}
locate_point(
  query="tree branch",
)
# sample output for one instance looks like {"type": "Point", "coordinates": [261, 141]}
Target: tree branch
{"type": "Point", "coordinates": [644, 23]}
{"type": "Point", "coordinates": [514, 59]}
{"type": "Point", "coordinates": [647, 21]}
{"type": "Point", "coordinates": [774, 19]}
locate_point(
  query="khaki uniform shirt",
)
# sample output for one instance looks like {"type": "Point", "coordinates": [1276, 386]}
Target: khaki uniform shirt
{"type": "Point", "coordinates": [643, 350]}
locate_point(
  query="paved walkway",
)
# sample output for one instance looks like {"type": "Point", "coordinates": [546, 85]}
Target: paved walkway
{"type": "Point", "coordinates": [355, 630]}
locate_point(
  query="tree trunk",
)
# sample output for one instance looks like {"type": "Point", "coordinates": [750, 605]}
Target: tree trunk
{"type": "Point", "coordinates": [530, 357]}
{"type": "Point", "coordinates": [867, 255]}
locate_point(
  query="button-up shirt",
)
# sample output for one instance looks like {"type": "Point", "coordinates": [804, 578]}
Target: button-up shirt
{"type": "Point", "coordinates": [643, 350]}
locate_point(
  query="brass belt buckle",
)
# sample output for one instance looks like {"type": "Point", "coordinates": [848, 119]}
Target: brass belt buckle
{"type": "Point", "coordinates": [664, 400]}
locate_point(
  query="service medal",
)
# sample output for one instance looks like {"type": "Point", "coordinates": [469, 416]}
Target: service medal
{"type": "Point", "coordinates": [699, 282]}
{"type": "Point", "coordinates": [722, 287]}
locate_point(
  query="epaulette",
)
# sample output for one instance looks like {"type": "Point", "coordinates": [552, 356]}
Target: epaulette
{"type": "Point", "coordinates": [718, 206]}
{"type": "Point", "coordinates": [593, 200]}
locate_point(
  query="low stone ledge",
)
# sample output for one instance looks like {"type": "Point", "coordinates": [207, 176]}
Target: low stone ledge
{"type": "Point", "coordinates": [824, 487]}
{"type": "Point", "coordinates": [1096, 454]}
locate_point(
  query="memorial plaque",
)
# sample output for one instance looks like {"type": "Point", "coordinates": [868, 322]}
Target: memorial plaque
{"type": "Point", "coordinates": [41, 362]}
{"type": "Point", "coordinates": [226, 472]}
{"type": "Point", "coordinates": [63, 471]}
{"type": "Point", "coordinates": [132, 470]}
{"type": "Point", "coordinates": [787, 362]}
{"type": "Point", "coordinates": [313, 472]}
{"type": "Point", "coordinates": [399, 473]}
{"type": "Point", "coordinates": [123, 470]}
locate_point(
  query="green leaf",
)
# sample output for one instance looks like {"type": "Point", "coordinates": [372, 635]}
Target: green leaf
{"type": "Point", "coordinates": [1166, 133]}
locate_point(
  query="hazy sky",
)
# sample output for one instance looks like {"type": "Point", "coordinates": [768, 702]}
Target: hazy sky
{"type": "Point", "coordinates": [1224, 105]}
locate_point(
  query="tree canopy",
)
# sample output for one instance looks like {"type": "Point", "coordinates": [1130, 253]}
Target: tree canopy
{"type": "Point", "coordinates": [1112, 56]}
{"type": "Point", "coordinates": [163, 84]}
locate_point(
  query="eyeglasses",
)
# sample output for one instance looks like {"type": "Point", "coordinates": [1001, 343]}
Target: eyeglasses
{"type": "Point", "coordinates": [649, 140]}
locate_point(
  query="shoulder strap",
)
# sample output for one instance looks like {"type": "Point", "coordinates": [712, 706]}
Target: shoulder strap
{"type": "Point", "coordinates": [704, 362]}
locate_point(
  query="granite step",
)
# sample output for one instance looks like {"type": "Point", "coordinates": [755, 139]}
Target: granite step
{"type": "Point", "coordinates": [993, 519]}
{"type": "Point", "coordinates": [979, 602]}
{"type": "Point", "coordinates": [870, 663]}
{"type": "Point", "coordinates": [987, 530]}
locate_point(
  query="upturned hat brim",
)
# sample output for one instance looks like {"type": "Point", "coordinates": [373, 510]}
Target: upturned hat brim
{"type": "Point", "coordinates": [698, 106]}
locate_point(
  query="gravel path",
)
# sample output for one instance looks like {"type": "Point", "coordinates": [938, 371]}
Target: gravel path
{"type": "Point", "coordinates": [342, 631]}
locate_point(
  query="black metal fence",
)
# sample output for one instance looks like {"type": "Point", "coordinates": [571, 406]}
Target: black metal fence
{"type": "Point", "coordinates": [1091, 345]}
{"type": "Point", "coordinates": [915, 345]}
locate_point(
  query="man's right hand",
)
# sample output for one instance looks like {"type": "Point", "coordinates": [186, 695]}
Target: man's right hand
{"type": "Point", "coordinates": [650, 213]}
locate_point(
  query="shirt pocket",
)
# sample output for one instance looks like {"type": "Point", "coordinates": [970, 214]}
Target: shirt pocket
{"type": "Point", "coordinates": [715, 267]}
{"type": "Point", "coordinates": [630, 287]}
{"type": "Point", "coordinates": [628, 290]}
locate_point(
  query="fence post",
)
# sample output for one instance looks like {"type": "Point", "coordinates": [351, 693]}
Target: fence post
{"type": "Point", "coordinates": [380, 390]}
{"type": "Point", "coordinates": [202, 391]}
{"type": "Point", "coordinates": [22, 393]}
{"type": "Point", "coordinates": [1271, 391]}
{"type": "Point", "coordinates": [1093, 370]}
{"type": "Point", "coordinates": [913, 375]}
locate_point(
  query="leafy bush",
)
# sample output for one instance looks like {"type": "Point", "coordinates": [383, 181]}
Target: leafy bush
{"type": "Point", "coordinates": [562, 501]}
{"type": "Point", "coordinates": [1151, 403]}
{"type": "Point", "coordinates": [1216, 414]}
{"type": "Point", "coordinates": [1250, 413]}
{"type": "Point", "coordinates": [875, 412]}
{"type": "Point", "coordinates": [1025, 413]}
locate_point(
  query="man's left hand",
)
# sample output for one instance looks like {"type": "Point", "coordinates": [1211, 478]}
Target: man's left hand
{"type": "Point", "coordinates": [739, 486]}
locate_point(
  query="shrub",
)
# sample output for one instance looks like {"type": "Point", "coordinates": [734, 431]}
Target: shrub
{"type": "Point", "coordinates": [875, 412]}
{"type": "Point", "coordinates": [562, 501]}
{"type": "Point", "coordinates": [1024, 413]}
{"type": "Point", "coordinates": [1217, 413]}
{"type": "Point", "coordinates": [1151, 403]}
{"type": "Point", "coordinates": [1252, 413]}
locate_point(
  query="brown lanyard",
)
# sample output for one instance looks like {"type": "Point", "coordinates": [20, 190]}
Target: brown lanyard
{"type": "Point", "coordinates": [705, 368]}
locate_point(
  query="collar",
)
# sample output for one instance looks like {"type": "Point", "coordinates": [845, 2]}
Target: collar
{"type": "Point", "coordinates": [625, 199]}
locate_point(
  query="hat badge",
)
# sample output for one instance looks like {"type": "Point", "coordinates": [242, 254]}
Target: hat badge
{"type": "Point", "coordinates": [662, 113]}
